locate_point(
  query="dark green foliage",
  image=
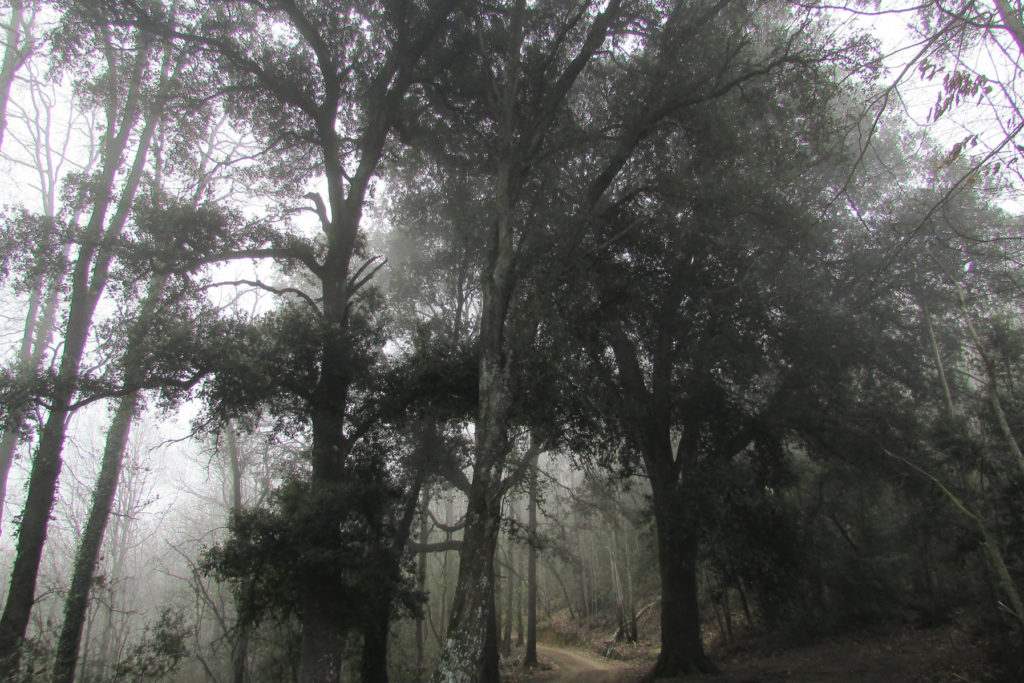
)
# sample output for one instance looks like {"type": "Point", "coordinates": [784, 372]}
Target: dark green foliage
{"type": "Point", "coordinates": [438, 378]}
{"type": "Point", "coordinates": [344, 533]}
{"type": "Point", "coordinates": [30, 249]}
{"type": "Point", "coordinates": [159, 652]}
{"type": "Point", "coordinates": [19, 394]}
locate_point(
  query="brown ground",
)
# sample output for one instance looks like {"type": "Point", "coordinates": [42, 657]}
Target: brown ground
{"type": "Point", "coordinates": [943, 655]}
{"type": "Point", "coordinates": [571, 665]}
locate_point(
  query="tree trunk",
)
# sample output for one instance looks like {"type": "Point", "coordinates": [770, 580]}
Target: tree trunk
{"type": "Point", "coordinates": [421, 580]}
{"type": "Point", "coordinates": [322, 624]}
{"type": "Point", "coordinates": [467, 657]}
{"type": "Point", "coordinates": [530, 657]}
{"type": "Point", "coordinates": [88, 281]}
{"type": "Point", "coordinates": [18, 48]}
{"type": "Point", "coordinates": [77, 601]}
{"type": "Point", "coordinates": [682, 650]}
{"type": "Point", "coordinates": [15, 420]}
{"type": "Point", "coordinates": [506, 640]}
{"type": "Point", "coordinates": [374, 664]}
{"type": "Point", "coordinates": [470, 654]}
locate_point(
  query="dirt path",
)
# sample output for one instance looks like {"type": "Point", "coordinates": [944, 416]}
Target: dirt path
{"type": "Point", "coordinates": [578, 666]}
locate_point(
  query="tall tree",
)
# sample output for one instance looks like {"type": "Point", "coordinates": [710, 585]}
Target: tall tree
{"type": "Point", "coordinates": [168, 313]}
{"type": "Point", "coordinates": [551, 128]}
{"type": "Point", "coordinates": [702, 257]}
{"type": "Point", "coordinates": [19, 44]}
{"type": "Point", "coordinates": [46, 151]}
{"type": "Point", "coordinates": [326, 83]}
{"type": "Point", "coordinates": [509, 111]}
{"type": "Point", "coordinates": [133, 92]}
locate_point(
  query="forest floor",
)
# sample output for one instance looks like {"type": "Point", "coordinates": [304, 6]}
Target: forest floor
{"type": "Point", "coordinates": [947, 654]}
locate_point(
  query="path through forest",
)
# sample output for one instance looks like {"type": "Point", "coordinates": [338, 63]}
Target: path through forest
{"type": "Point", "coordinates": [576, 665]}
{"type": "Point", "coordinates": [945, 654]}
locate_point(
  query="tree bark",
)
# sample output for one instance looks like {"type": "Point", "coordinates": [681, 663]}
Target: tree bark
{"type": "Point", "coordinates": [506, 637]}
{"type": "Point", "coordinates": [374, 663]}
{"type": "Point", "coordinates": [530, 657]}
{"type": "Point", "coordinates": [243, 628]}
{"type": "Point", "coordinates": [15, 420]}
{"type": "Point", "coordinates": [421, 580]}
{"type": "Point", "coordinates": [470, 653]}
{"type": "Point", "coordinates": [18, 48]}
{"type": "Point", "coordinates": [88, 281]}
{"type": "Point", "coordinates": [682, 649]}
{"type": "Point", "coordinates": [77, 601]}
{"type": "Point", "coordinates": [467, 657]}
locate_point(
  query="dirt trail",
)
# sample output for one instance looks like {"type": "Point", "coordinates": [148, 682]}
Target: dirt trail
{"type": "Point", "coordinates": [578, 666]}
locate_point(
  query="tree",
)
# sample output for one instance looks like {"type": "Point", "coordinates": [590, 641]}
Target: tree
{"type": "Point", "coordinates": [510, 116]}
{"type": "Point", "coordinates": [164, 317]}
{"type": "Point", "coordinates": [132, 95]}
{"type": "Point", "coordinates": [44, 141]}
{"type": "Point", "coordinates": [327, 84]}
{"type": "Point", "coordinates": [555, 124]}
{"type": "Point", "coordinates": [696, 293]}
{"type": "Point", "coordinates": [19, 44]}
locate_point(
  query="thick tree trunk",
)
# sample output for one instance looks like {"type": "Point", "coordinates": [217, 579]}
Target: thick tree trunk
{"type": "Point", "coordinates": [470, 654]}
{"type": "Point", "coordinates": [240, 655]}
{"type": "Point", "coordinates": [322, 624]}
{"type": "Point", "coordinates": [682, 649]}
{"type": "Point", "coordinates": [675, 517]}
{"type": "Point", "coordinates": [374, 663]}
{"type": "Point", "coordinates": [320, 649]}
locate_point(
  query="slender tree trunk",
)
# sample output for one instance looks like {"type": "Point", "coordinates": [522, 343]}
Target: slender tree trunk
{"type": "Point", "coordinates": [530, 657]}
{"type": "Point", "coordinates": [421, 580]}
{"type": "Point", "coordinates": [17, 50]}
{"type": "Point", "coordinates": [39, 323]}
{"type": "Point", "coordinates": [506, 639]}
{"type": "Point", "coordinates": [77, 601]}
{"type": "Point", "coordinates": [15, 420]}
{"type": "Point", "coordinates": [88, 281]}
{"type": "Point", "coordinates": [243, 629]}
{"type": "Point", "coordinates": [520, 624]}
